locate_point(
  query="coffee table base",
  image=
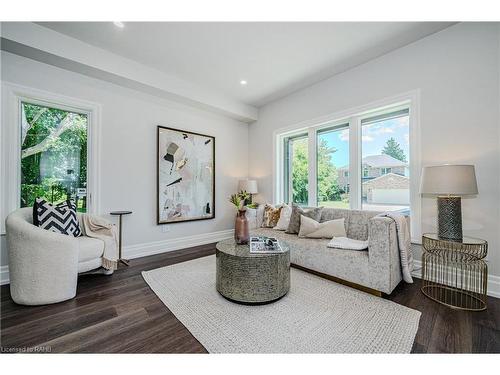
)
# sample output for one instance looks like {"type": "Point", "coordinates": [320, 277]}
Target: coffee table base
{"type": "Point", "coordinates": [248, 278]}
{"type": "Point", "coordinates": [253, 303]}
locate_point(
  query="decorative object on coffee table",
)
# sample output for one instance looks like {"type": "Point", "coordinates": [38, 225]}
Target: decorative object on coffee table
{"type": "Point", "coordinates": [251, 278]}
{"type": "Point", "coordinates": [454, 272]}
{"type": "Point", "coordinates": [250, 186]}
{"type": "Point", "coordinates": [120, 214]}
{"type": "Point", "coordinates": [449, 183]}
{"type": "Point", "coordinates": [241, 228]}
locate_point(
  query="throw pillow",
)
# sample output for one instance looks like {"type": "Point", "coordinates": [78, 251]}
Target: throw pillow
{"type": "Point", "coordinates": [271, 216]}
{"type": "Point", "coordinates": [60, 218]}
{"type": "Point", "coordinates": [284, 220]}
{"type": "Point", "coordinates": [312, 229]}
{"type": "Point", "coordinates": [294, 226]}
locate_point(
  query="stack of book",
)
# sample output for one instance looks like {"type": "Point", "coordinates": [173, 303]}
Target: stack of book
{"type": "Point", "coordinates": [264, 245]}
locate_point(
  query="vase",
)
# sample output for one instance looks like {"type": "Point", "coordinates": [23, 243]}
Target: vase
{"type": "Point", "coordinates": [241, 234]}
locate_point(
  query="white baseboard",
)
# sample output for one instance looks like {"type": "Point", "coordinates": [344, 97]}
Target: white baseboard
{"type": "Point", "coordinates": [493, 281]}
{"type": "Point", "coordinates": [157, 247]}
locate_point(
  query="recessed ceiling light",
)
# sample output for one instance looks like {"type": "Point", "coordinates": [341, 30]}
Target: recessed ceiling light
{"type": "Point", "coordinates": [119, 24]}
{"type": "Point", "coordinates": [243, 82]}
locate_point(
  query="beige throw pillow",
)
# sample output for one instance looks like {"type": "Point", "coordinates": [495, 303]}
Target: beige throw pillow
{"type": "Point", "coordinates": [284, 220]}
{"type": "Point", "coordinates": [310, 228]}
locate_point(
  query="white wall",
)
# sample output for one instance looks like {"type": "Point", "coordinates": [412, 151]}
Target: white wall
{"type": "Point", "coordinates": [128, 148]}
{"type": "Point", "coordinates": [457, 73]}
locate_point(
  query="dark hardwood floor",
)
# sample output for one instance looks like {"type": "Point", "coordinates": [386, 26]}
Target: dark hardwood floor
{"type": "Point", "coordinates": [120, 313]}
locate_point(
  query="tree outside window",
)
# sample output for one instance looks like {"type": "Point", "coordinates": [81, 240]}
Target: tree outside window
{"type": "Point", "coordinates": [53, 155]}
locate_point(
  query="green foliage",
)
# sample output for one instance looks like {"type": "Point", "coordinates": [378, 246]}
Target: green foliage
{"type": "Point", "coordinates": [393, 148]}
{"type": "Point", "coordinates": [68, 148]}
{"type": "Point", "coordinates": [328, 189]}
{"type": "Point", "coordinates": [240, 200]}
{"type": "Point", "coordinates": [299, 171]}
{"type": "Point", "coordinates": [49, 189]}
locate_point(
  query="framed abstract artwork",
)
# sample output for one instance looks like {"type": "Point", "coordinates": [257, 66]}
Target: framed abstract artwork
{"type": "Point", "coordinates": [185, 176]}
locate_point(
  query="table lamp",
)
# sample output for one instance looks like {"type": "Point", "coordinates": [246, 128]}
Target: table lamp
{"type": "Point", "coordinates": [449, 183]}
{"type": "Point", "coordinates": [250, 186]}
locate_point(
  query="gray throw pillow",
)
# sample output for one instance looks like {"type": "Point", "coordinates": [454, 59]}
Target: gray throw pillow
{"type": "Point", "coordinates": [294, 226]}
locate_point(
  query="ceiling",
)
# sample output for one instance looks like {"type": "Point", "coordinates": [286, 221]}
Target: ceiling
{"type": "Point", "coordinates": [275, 58]}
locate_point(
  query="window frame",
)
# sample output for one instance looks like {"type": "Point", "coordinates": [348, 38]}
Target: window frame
{"type": "Point", "coordinates": [12, 98]}
{"type": "Point", "coordinates": [325, 128]}
{"type": "Point", "coordinates": [287, 167]}
{"type": "Point", "coordinates": [354, 117]}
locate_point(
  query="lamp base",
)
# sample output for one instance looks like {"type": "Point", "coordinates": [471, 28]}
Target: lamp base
{"type": "Point", "coordinates": [450, 218]}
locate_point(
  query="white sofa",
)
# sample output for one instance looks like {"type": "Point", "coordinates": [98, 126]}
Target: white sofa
{"type": "Point", "coordinates": [44, 265]}
{"type": "Point", "coordinates": [378, 268]}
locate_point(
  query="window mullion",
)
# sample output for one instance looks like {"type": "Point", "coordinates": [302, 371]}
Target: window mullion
{"type": "Point", "coordinates": [312, 163]}
{"type": "Point", "coordinates": [355, 163]}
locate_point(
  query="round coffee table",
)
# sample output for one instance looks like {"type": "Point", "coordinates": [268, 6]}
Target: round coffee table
{"type": "Point", "coordinates": [251, 278]}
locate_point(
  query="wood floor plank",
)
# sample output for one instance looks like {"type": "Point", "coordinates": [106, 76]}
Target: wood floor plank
{"type": "Point", "coordinates": [121, 314]}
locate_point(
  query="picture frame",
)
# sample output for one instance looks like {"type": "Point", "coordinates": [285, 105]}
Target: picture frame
{"type": "Point", "coordinates": [185, 176]}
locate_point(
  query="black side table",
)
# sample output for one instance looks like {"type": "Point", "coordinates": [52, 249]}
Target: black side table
{"type": "Point", "coordinates": [120, 214]}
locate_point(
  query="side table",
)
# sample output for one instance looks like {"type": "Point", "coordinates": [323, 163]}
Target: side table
{"type": "Point", "coordinates": [120, 214]}
{"type": "Point", "coordinates": [454, 272]}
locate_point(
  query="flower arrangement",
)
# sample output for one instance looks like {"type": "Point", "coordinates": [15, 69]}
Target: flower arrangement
{"type": "Point", "coordinates": [239, 200]}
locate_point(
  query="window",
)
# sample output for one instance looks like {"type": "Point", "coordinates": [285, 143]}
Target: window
{"type": "Point", "coordinates": [332, 156]}
{"type": "Point", "coordinates": [385, 158]}
{"type": "Point", "coordinates": [386, 170]}
{"type": "Point", "coordinates": [296, 169]}
{"type": "Point", "coordinates": [374, 154]}
{"type": "Point", "coordinates": [53, 155]}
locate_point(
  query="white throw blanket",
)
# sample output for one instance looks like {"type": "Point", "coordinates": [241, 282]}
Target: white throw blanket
{"type": "Point", "coordinates": [404, 243]}
{"type": "Point", "coordinates": [100, 228]}
{"type": "Point", "coordinates": [347, 243]}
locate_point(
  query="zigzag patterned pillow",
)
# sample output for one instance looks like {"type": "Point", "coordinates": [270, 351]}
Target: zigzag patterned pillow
{"type": "Point", "coordinates": [60, 218]}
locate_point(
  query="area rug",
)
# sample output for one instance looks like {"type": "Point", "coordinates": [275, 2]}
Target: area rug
{"type": "Point", "coordinates": [316, 316]}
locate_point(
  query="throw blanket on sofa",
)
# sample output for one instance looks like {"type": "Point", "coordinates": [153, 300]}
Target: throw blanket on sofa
{"type": "Point", "coordinates": [404, 243]}
{"type": "Point", "coordinates": [100, 228]}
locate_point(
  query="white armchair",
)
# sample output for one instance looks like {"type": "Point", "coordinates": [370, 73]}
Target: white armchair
{"type": "Point", "coordinates": [44, 265]}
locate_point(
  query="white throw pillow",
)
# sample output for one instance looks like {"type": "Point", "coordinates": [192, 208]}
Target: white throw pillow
{"type": "Point", "coordinates": [284, 220]}
{"type": "Point", "coordinates": [310, 228]}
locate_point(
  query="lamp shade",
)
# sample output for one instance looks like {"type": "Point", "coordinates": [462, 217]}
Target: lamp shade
{"type": "Point", "coordinates": [449, 180]}
{"type": "Point", "coordinates": [250, 186]}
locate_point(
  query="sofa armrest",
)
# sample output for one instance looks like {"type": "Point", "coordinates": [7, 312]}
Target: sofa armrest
{"type": "Point", "coordinates": [383, 253]}
{"type": "Point", "coordinates": [43, 265]}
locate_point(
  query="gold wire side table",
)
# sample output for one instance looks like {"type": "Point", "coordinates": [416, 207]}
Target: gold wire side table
{"type": "Point", "coordinates": [454, 272]}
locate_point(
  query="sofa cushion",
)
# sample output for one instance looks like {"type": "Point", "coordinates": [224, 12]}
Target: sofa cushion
{"type": "Point", "coordinates": [294, 226]}
{"type": "Point", "coordinates": [90, 248]}
{"type": "Point", "coordinates": [356, 221]}
{"type": "Point", "coordinates": [312, 229]}
{"type": "Point", "coordinates": [313, 254]}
